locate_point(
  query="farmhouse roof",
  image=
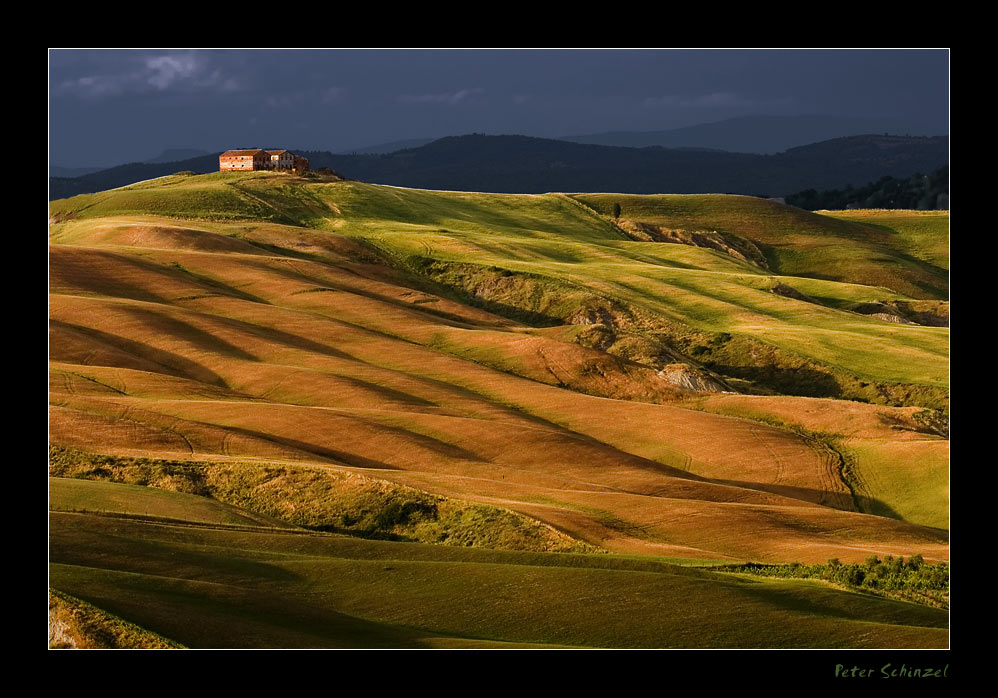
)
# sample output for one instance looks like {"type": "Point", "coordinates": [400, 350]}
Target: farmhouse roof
{"type": "Point", "coordinates": [275, 152]}
{"type": "Point", "coordinates": [253, 151]}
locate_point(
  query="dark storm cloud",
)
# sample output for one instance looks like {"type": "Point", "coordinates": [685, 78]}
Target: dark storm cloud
{"type": "Point", "coordinates": [99, 75]}
{"type": "Point", "coordinates": [449, 98]}
{"type": "Point", "coordinates": [111, 106]}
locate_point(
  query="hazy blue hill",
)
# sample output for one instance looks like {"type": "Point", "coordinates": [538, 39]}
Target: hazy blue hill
{"type": "Point", "coordinates": [521, 164]}
{"type": "Point", "coordinates": [518, 164]}
{"type": "Point", "coordinates": [61, 187]}
{"type": "Point", "coordinates": [391, 147]}
{"type": "Point", "coordinates": [66, 172]}
{"type": "Point", "coordinates": [756, 134]}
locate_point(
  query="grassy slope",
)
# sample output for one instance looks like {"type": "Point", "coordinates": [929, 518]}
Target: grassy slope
{"type": "Point", "coordinates": [921, 234]}
{"type": "Point", "coordinates": [554, 237]}
{"type": "Point", "coordinates": [90, 496]}
{"type": "Point", "coordinates": [236, 338]}
{"type": "Point", "coordinates": [343, 592]}
{"type": "Point", "coordinates": [288, 497]}
{"type": "Point", "coordinates": [544, 235]}
{"type": "Point", "coordinates": [76, 624]}
{"type": "Point", "coordinates": [906, 480]}
{"type": "Point", "coordinates": [840, 246]}
{"type": "Point", "coordinates": [896, 465]}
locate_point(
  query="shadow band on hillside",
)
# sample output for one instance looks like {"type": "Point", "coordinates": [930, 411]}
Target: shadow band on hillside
{"type": "Point", "coordinates": [170, 363]}
{"type": "Point", "coordinates": [842, 501]}
{"type": "Point", "coordinates": [338, 457]}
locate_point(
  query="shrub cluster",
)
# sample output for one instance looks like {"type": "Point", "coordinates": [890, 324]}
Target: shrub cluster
{"type": "Point", "coordinates": [912, 579]}
{"type": "Point", "coordinates": [325, 500]}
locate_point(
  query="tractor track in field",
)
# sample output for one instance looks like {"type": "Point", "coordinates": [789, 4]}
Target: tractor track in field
{"type": "Point", "coordinates": [171, 428]}
{"type": "Point", "coordinates": [847, 475]}
{"type": "Point", "coordinates": [687, 463]}
{"type": "Point", "coordinates": [832, 481]}
{"type": "Point", "coordinates": [67, 384]}
{"type": "Point", "coordinates": [780, 467]}
{"type": "Point", "coordinates": [549, 363]}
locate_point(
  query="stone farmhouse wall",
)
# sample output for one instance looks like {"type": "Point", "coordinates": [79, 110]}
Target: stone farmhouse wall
{"type": "Point", "coordinates": [255, 159]}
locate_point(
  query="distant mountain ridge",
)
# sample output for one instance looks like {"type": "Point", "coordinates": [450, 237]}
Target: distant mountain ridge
{"type": "Point", "coordinates": [120, 175]}
{"type": "Point", "coordinates": [168, 155]}
{"type": "Point", "coordinates": [758, 134]}
{"type": "Point", "coordinates": [522, 164]}
{"type": "Point", "coordinates": [70, 172]}
{"type": "Point", "coordinates": [391, 147]}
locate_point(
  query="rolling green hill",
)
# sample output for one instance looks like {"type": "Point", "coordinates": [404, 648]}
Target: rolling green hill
{"type": "Point", "coordinates": [341, 592]}
{"type": "Point", "coordinates": [546, 256]}
{"type": "Point", "coordinates": [711, 378]}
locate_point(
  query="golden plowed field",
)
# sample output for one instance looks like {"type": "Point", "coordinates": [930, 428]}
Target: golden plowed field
{"type": "Point", "coordinates": [259, 340]}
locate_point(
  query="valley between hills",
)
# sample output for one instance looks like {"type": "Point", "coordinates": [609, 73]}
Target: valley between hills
{"type": "Point", "coordinates": [309, 412]}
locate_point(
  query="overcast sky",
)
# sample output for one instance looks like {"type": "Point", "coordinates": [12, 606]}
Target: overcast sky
{"type": "Point", "coordinates": [112, 106]}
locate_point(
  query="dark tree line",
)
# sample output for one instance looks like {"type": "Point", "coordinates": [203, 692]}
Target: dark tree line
{"type": "Point", "coordinates": [919, 192]}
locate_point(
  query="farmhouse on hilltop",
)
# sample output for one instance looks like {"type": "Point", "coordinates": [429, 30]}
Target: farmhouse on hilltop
{"type": "Point", "coordinates": [257, 159]}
